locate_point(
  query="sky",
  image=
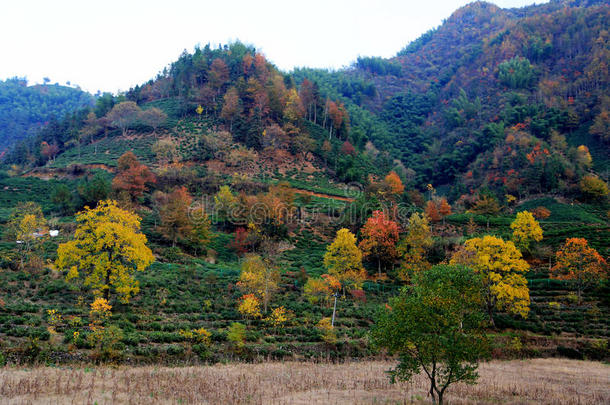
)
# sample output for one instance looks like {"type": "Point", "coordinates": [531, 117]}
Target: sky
{"type": "Point", "coordinates": [112, 45]}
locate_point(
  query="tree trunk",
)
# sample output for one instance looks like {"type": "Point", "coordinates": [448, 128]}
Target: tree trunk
{"type": "Point", "coordinates": [332, 322]}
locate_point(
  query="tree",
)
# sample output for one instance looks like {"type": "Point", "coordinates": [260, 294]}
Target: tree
{"type": "Point", "coordinates": [218, 74]}
{"type": "Point", "coordinates": [444, 208]}
{"type": "Point", "coordinates": [579, 264]}
{"type": "Point", "coordinates": [501, 268]}
{"type": "Point", "coordinates": [343, 259]}
{"type": "Point", "coordinates": [91, 127]}
{"type": "Point", "coordinates": [379, 238]}
{"type": "Point", "coordinates": [26, 226]}
{"type": "Point", "coordinates": [166, 150]}
{"type": "Point", "coordinates": [90, 191]}
{"type": "Point", "coordinates": [201, 233]}
{"type": "Point", "coordinates": [153, 117]}
{"type": "Point", "coordinates": [487, 206]}
{"type": "Point", "coordinates": [541, 212]}
{"type": "Point", "coordinates": [62, 198]}
{"type": "Point", "coordinates": [394, 183]}
{"type": "Point", "coordinates": [249, 306]}
{"type": "Point", "coordinates": [124, 114]}
{"type": "Point", "coordinates": [437, 326]}
{"type": "Point", "coordinates": [413, 246]}
{"type": "Point", "coordinates": [231, 107]}
{"type": "Point", "coordinates": [225, 203]}
{"type": "Point", "coordinates": [432, 211]}
{"type": "Point", "coordinates": [593, 187]}
{"type": "Point", "coordinates": [49, 151]}
{"type": "Point", "coordinates": [132, 177]}
{"type": "Point", "coordinates": [107, 249]}
{"type": "Point", "coordinates": [175, 221]}
{"type": "Point", "coordinates": [294, 110]}
{"type": "Point", "coordinates": [321, 289]}
{"type": "Point", "coordinates": [258, 278]}
{"type": "Point", "coordinates": [583, 156]}
{"type": "Point", "coordinates": [525, 230]}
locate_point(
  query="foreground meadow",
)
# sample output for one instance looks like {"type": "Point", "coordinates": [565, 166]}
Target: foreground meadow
{"type": "Point", "coordinates": [546, 381]}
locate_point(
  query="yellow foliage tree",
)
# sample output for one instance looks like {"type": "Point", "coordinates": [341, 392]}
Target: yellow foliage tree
{"type": "Point", "coordinates": [413, 246]}
{"type": "Point", "coordinates": [107, 249]}
{"type": "Point", "coordinates": [259, 279]}
{"type": "Point", "coordinates": [279, 317]}
{"type": "Point", "coordinates": [26, 226]}
{"type": "Point", "coordinates": [327, 331]}
{"type": "Point", "coordinates": [525, 230]}
{"type": "Point", "coordinates": [249, 306]}
{"type": "Point", "coordinates": [343, 259]}
{"type": "Point", "coordinates": [501, 267]}
{"type": "Point", "coordinates": [323, 288]}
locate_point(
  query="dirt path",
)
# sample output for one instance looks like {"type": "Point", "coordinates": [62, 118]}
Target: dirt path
{"type": "Point", "coordinates": [322, 195]}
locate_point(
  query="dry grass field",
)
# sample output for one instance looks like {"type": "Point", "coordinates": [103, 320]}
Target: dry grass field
{"type": "Point", "coordinates": [539, 381]}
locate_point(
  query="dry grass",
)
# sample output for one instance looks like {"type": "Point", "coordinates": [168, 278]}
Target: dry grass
{"type": "Point", "coordinates": [547, 381]}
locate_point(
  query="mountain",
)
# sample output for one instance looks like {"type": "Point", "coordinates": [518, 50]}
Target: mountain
{"type": "Point", "coordinates": [237, 169]}
{"type": "Point", "coordinates": [466, 103]}
{"type": "Point", "coordinates": [25, 109]}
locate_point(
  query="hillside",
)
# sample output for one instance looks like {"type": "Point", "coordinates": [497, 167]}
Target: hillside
{"type": "Point", "coordinates": [25, 109]}
{"type": "Point", "coordinates": [254, 199]}
{"type": "Point", "coordinates": [465, 103]}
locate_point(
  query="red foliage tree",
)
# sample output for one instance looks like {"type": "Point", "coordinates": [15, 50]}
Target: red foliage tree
{"type": "Point", "coordinates": [132, 177]}
{"type": "Point", "coordinates": [380, 236]}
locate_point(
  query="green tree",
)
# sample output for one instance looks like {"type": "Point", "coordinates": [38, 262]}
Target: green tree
{"type": "Point", "coordinates": [62, 198]}
{"type": "Point", "coordinates": [435, 326]}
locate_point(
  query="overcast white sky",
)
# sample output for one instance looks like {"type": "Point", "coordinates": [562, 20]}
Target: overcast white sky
{"type": "Point", "coordinates": [112, 45]}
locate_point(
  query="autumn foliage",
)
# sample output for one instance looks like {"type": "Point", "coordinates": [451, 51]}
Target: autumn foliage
{"type": "Point", "coordinates": [132, 177]}
{"type": "Point", "coordinates": [580, 264]}
{"type": "Point", "coordinates": [379, 238]}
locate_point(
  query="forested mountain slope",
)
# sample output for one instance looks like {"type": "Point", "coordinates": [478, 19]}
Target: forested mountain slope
{"type": "Point", "coordinates": [25, 109]}
{"type": "Point", "coordinates": [495, 98]}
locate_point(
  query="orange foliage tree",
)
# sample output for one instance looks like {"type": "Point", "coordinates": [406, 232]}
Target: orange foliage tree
{"type": "Point", "coordinates": [380, 237]}
{"type": "Point", "coordinates": [394, 183]}
{"type": "Point", "coordinates": [579, 263]}
{"type": "Point", "coordinates": [432, 211]}
{"type": "Point", "coordinates": [444, 208]}
{"type": "Point", "coordinates": [132, 177]}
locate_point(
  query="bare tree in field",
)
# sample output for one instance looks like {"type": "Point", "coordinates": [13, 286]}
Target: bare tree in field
{"type": "Point", "coordinates": [153, 117]}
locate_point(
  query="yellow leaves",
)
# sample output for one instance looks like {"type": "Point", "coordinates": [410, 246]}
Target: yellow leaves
{"type": "Point", "coordinates": [343, 259]}
{"type": "Point", "coordinates": [201, 335]}
{"type": "Point", "coordinates": [328, 332]}
{"type": "Point", "coordinates": [583, 156]}
{"type": "Point", "coordinates": [279, 316]}
{"type": "Point", "coordinates": [54, 318]}
{"type": "Point", "coordinates": [106, 250]}
{"type": "Point", "coordinates": [317, 289]}
{"type": "Point", "coordinates": [258, 279]}
{"type": "Point", "coordinates": [501, 265]}
{"type": "Point", "coordinates": [525, 230]}
{"type": "Point", "coordinates": [249, 306]}
{"type": "Point", "coordinates": [100, 311]}
{"type": "Point", "coordinates": [199, 109]}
